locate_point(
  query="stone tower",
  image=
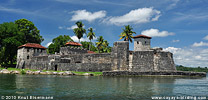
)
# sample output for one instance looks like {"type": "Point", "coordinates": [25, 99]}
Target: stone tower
{"type": "Point", "coordinates": [142, 43]}
{"type": "Point", "coordinates": [120, 55]}
{"type": "Point", "coordinates": [27, 51]}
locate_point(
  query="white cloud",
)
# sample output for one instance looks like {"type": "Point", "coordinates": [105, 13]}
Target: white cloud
{"type": "Point", "coordinates": [84, 38]}
{"type": "Point", "coordinates": [72, 27]}
{"type": "Point", "coordinates": [190, 57]}
{"type": "Point", "coordinates": [60, 27]}
{"type": "Point", "coordinates": [200, 44]}
{"type": "Point", "coordinates": [48, 44]}
{"type": "Point", "coordinates": [206, 37]}
{"type": "Point", "coordinates": [88, 16]}
{"type": "Point", "coordinates": [156, 33]}
{"type": "Point", "coordinates": [77, 40]}
{"type": "Point", "coordinates": [137, 16]}
{"type": "Point", "coordinates": [174, 41]}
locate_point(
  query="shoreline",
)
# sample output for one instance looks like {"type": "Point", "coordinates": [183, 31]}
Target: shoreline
{"type": "Point", "coordinates": [45, 72]}
{"type": "Point", "coordinates": [105, 73]}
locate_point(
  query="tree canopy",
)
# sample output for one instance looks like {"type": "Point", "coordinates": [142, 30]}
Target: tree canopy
{"type": "Point", "coordinates": [127, 33]}
{"type": "Point", "coordinates": [90, 35]}
{"type": "Point", "coordinates": [30, 31]}
{"type": "Point", "coordinates": [58, 42]}
{"type": "Point", "coordinates": [79, 31]}
{"type": "Point", "coordinates": [102, 45]}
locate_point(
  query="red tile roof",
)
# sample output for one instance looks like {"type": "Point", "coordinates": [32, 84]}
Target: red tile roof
{"type": "Point", "coordinates": [73, 43]}
{"type": "Point", "coordinates": [143, 36]}
{"type": "Point", "coordinates": [90, 52]}
{"type": "Point", "coordinates": [32, 45]}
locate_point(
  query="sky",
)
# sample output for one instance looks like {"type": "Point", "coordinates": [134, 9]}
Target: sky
{"type": "Point", "coordinates": [178, 26]}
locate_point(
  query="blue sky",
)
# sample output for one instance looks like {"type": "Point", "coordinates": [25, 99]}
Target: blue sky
{"type": "Point", "coordinates": [178, 26]}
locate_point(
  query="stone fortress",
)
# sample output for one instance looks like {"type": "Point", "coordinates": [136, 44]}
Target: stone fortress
{"type": "Point", "coordinates": [73, 58]}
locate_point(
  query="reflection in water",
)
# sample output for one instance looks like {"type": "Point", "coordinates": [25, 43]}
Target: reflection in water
{"type": "Point", "coordinates": [85, 87]}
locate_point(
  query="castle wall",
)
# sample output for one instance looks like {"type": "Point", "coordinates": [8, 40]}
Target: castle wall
{"type": "Point", "coordinates": [163, 61]}
{"type": "Point", "coordinates": [72, 50]}
{"type": "Point", "coordinates": [120, 55]}
{"type": "Point", "coordinates": [83, 67]}
{"type": "Point", "coordinates": [142, 61]}
{"type": "Point", "coordinates": [97, 58]}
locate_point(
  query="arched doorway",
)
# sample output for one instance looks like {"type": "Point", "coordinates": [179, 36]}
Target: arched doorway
{"type": "Point", "coordinates": [56, 67]}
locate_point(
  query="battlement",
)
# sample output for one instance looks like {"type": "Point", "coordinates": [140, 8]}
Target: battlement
{"type": "Point", "coordinates": [72, 50]}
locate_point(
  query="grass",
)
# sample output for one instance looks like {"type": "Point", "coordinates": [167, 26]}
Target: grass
{"type": "Point", "coordinates": [95, 73]}
{"type": "Point", "coordinates": [23, 71]}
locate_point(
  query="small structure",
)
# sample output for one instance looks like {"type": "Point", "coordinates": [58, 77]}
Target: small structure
{"type": "Point", "coordinates": [141, 43]}
{"type": "Point", "coordinates": [26, 52]}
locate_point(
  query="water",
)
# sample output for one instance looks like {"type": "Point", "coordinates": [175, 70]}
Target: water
{"type": "Point", "coordinates": [101, 88]}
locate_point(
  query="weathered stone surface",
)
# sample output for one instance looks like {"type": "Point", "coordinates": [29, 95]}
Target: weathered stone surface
{"type": "Point", "coordinates": [158, 73]}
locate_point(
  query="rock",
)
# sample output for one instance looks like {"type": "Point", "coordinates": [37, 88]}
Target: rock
{"type": "Point", "coordinates": [49, 73]}
{"type": "Point", "coordinates": [54, 73]}
{"type": "Point", "coordinates": [60, 73]}
{"type": "Point", "coordinates": [68, 73]}
{"type": "Point", "coordinates": [16, 72]}
{"type": "Point", "coordinates": [43, 73]}
{"type": "Point", "coordinates": [5, 71]}
{"type": "Point", "coordinates": [29, 72]}
{"type": "Point", "coordinates": [37, 72]}
{"type": "Point", "coordinates": [88, 74]}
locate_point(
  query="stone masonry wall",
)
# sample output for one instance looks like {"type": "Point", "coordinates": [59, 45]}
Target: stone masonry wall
{"type": "Point", "coordinates": [163, 61]}
{"type": "Point", "coordinates": [120, 55]}
{"type": "Point", "coordinates": [142, 61]}
{"type": "Point", "coordinates": [72, 50]}
{"type": "Point", "coordinates": [97, 58]}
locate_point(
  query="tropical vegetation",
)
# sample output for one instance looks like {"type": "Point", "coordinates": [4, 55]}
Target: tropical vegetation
{"type": "Point", "coordinates": [127, 33]}
{"type": "Point", "coordinates": [79, 31]}
{"type": "Point", "coordinates": [14, 34]}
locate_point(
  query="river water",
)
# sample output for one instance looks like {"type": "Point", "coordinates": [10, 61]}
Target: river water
{"type": "Point", "coordinates": [102, 88]}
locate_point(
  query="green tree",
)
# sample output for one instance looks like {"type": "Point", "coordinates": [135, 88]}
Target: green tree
{"type": "Point", "coordinates": [87, 44]}
{"type": "Point", "coordinates": [106, 47]}
{"type": "Point", "coordinates": [57, 43]}
{"type": "Point", "coordinates": [79, 31]}
{"type": "Point", "coordinates": [11, 38]}
{"type": "Point", "coordinates": [90, 35]}
{"type": "Point", "coordinates": [30, 31]}
{"type": "Point", "coordinates": [99, 44]}
{"type": "Point", "coordinates": [127, 33]}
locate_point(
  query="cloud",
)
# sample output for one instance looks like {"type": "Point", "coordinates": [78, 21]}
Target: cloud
{"type": "Point", "coordinates": [88, 16]}
{"type": "Point", "coordinates": [156, 33]}
{"type": "Point", "coordinates": [48, 44]}
{"type": "Point", "coordinates": [60, 27]}
{"type": "Point", "coordinates": [190, 57]}
{"type": "Point", "coordinates": [84, 38]}
{"type": "Point", "coordinates": [137, 16]}
{"type": "Point", "coordinates": [200, 44]}
{"type": "Point", "coordinates": [174, 41]}
{"type": "Point", "coordinates": [72, 27]}
{"type": "Point", "coordinates": [206, 37]}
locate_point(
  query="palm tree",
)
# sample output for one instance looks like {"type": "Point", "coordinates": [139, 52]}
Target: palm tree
{"type": "Point", "coordinates": [105, 46]}
{"type": "Point", "coordinates": [127, 33]}
{"type": "Point", "coordinates": [90, 35]}
{"type": "Point", "coordinates": [79, 31]}
{"type": "Point", "coordinates": [99, 44]}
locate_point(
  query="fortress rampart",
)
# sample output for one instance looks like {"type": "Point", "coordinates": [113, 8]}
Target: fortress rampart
{"type": "Point", "coordinates": [142, 59]}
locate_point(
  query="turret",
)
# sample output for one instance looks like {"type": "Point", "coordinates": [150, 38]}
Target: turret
{"type": "Point", "coordinates": [142, 43]}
